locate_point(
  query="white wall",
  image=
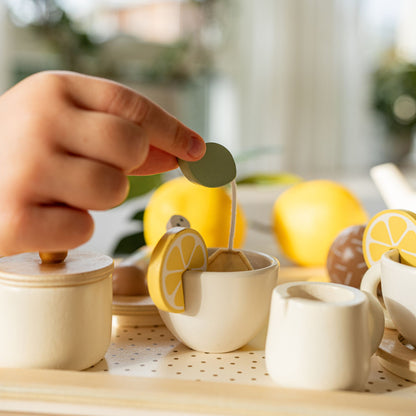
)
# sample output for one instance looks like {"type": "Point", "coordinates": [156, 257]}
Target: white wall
{"type": "Point", "coordinates": [299, 71]}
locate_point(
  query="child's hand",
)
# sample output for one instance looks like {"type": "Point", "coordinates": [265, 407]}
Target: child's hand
{"type": "Point", "coordinates": [67, 143]}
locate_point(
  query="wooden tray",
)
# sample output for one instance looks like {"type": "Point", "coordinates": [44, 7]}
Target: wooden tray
{"type": "Point", "coordinates": [146, 371]}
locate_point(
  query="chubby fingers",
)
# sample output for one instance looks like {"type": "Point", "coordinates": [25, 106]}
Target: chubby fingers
{"type": "Point", "coordinates": [114, 141]}
{"type": "Point", "coordinates": [162, 130]}
{"type": "Point", "coordinates": [105, 138]}
{"type": "Point", "coordinates": [157, 161]}
{"type": "Point", "coordinates": [81, 183]}
{"type": "Point", "coordinates": [43, 228]}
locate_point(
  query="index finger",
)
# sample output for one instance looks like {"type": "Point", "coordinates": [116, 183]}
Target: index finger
{"type": "Point", "coordinates": [164, 131]}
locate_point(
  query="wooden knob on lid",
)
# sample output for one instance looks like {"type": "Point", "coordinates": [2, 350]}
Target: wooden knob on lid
{"type": "Point", "coordinates": [49, 257]}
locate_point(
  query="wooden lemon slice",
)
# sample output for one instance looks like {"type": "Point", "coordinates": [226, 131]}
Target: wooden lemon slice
{"type": "Point", "coordinates": [391, 228]}
{"type": "Point", "coordinates": [179, 249]}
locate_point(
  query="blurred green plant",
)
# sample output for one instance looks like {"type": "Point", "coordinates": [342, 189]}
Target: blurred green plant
{"type": "Point", "coordinates": [68, 41]}
{"type": "Point", "coordinates": [132, 242]}
{"type": "Point", "coordinates": [170, 65]}
{"type": "Point", "coordinates": [178, 62]}
{"type": "Point", "coordinates": [394, 95]}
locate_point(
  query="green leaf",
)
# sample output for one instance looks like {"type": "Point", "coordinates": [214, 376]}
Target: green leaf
{"type": "Point", "coordinates": [129, 244]}
{"type": "Point", "coordinates": [141, 185]}
{"type": "Point", "coordinates": [270, 179]}
{"type": "Point", "coordinates": [138, 216]}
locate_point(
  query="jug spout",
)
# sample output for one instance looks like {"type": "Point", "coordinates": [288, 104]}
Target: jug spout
{"type": "Point", "coordinates": [393, 187]}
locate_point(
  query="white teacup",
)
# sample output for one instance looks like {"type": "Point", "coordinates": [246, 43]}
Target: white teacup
{"type": "Point", "coordinates": [321, 336]}
{"type": "Point", "coordinates": [398, 285]}
{"type": "Point", "coordinates": [224, 310]}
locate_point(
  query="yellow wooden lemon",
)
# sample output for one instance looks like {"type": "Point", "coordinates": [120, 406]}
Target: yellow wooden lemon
{"type": "Point", "coordinates": [208, 210]}
{"type": "Point", "coordinates": [179, 249]}
{"type": "Point", "coordinates": [391, 228]}
{"type": "Point", "coordinates": [308, 216]}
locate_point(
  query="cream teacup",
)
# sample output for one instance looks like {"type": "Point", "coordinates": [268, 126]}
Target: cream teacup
{"type": "Point", "coordinates": [224, 310]}
{"type": "Point", "coordinates": [321, 336]}
{"type": "Point", "coordinates": [398, 285]}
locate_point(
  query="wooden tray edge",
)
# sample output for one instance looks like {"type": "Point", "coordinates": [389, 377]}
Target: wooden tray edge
{"type": "Point", "coordinates": [58, 391]}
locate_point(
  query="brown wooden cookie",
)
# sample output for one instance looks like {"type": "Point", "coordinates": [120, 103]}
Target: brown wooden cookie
{"type": "Point", "coordinates": [345, 261]}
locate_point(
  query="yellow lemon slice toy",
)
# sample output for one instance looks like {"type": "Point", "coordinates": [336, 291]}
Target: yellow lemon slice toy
{"type": "Point", "coordinates": [178, 250]}
{"type": "Point", "coordinates": [391, 228]}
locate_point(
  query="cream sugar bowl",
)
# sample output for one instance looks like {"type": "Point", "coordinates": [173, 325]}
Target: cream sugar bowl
{"type": "Point", "coordinates": [55, 315]}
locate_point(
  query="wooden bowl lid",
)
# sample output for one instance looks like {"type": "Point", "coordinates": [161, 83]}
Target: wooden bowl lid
{"type": "Point", "coordinates": [79, 267]}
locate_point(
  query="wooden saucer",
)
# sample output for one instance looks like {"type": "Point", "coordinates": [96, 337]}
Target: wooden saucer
{"type": "Point", "coordinates": [397, 355]}
{"type": "Point", "coordinates": [135, 311]}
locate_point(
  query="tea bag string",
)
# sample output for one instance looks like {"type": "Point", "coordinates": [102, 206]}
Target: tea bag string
{"type": "Point", "coordinates": [233, 214]}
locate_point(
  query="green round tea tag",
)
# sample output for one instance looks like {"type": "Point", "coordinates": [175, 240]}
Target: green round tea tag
{"type": "Point", "coordinates": [216, 168]}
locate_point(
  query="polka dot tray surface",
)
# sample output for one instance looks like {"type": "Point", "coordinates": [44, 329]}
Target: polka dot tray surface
{"type": "Point", "coordinates": [152, 351]}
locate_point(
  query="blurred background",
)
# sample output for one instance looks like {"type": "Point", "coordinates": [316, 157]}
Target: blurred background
{"type": "Point", "coordinates": [315, 88]}
{"type": "Point", "coordinates": [307, 86]}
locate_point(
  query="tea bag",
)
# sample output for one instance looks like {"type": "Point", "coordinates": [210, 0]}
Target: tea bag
{"type": "Point", "coordinates": [225, 260]}
{"type": "Point", "coordinates": [228, 259]}
{"type": "Point", "coordinates": [217, 168]}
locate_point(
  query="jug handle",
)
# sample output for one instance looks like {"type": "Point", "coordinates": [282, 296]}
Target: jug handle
{"type": "Point", "coordinates": [369, 286]}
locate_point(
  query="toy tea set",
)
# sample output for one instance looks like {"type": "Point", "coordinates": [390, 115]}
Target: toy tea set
{"type": "Point", "coordinates": [57, 312]}
{"type": "Point", "coordinates": [320, 335]}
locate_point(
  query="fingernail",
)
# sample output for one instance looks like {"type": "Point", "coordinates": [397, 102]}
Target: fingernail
{"type": "Point", "coordinates": [196, 148]}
